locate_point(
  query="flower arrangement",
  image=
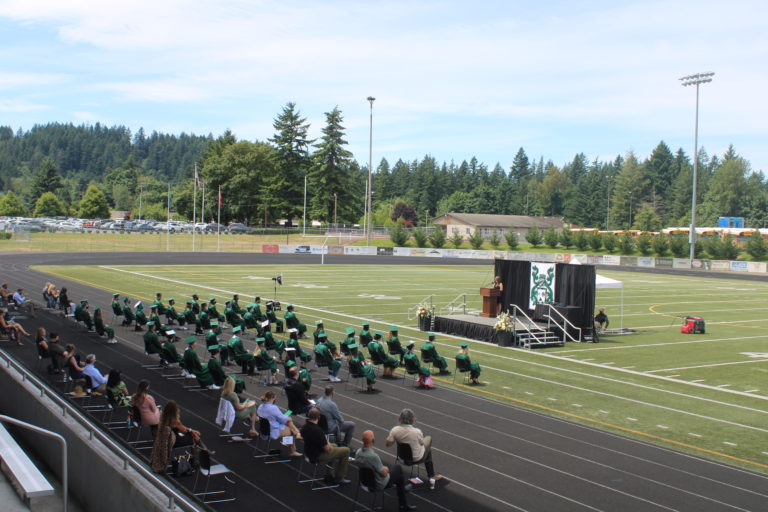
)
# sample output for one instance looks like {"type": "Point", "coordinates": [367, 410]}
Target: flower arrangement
{"type": "Point", "coordinates": [424, 312]}
{"type": "Point", "coordinates": [503, 322]}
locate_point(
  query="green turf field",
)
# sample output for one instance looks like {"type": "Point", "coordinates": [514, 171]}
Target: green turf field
{"type": "Point", "coordinates": [703, 394]}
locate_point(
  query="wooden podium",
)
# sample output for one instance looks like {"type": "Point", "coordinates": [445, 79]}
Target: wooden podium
{"type": "Point", "coordinates": [490, 301]}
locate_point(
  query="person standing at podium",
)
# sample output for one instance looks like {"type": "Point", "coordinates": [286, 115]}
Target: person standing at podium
{"type": "Point", "coordinates": [498, 285]}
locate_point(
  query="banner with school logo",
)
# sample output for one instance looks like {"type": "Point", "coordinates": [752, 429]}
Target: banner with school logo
{"type": "Point", "coordinates": [542, 284]}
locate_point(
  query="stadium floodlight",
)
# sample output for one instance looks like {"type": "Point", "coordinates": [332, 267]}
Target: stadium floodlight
{"type": "Point", "coordinates": [368, 224]}
{"type": "Point", "coordinates": [697, 80]}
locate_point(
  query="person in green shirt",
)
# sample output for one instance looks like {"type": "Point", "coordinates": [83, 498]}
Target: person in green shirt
{"type": "Point", "coordinates": [128, 316]}
{"type": "Point", "coordinates": [235, 304]}
{"type": "Point", "coordinates": [117, 310]}
{"type": "Point", "coordinates": [413, 364]}
{"type": "Point", "coordinates": [474, 368]}
{"type": "Point", "coordinates": [349, 340]}
{"type": "Point", "coordinates": [141, 317]}
{"type": "Point", "coordinates": [85, 316]}
{"type": "Point", "coordinates": [158, 303]}
{"type": "Point", "coordinates": [104, 331]}
{"type": "Point", "coordinates": [265, 362]}
{"type": "Point", "coordinates": [365, 336]}
{"type": "Point", "coordinates": [379, 356]}
{"type": "Point", "coordinates": [359, 366]}
{"type": "Point", "coordinates": [323, 337]}
{"type": "Point", "coordinates": [203, 318]}
{"type": "Point", "coordinates": [324, 355]}
{"type": "Point", "coordinates": [241, 356]}
{"type": "Point", "coordinates": [170, 355]}
{"type": "Point", "coordinates": [428, 350]}
{"type": "Point", "coordinates": [213, 313]}
{"type": "Point", "coordinates": [319, 327]}
{"type": "Point", "coordinates": [270, 342]}
{"type": "Point", "coordinates": [292, 321]}
{"type": "Point", "coordinates": [393, 343]}
{"type": "Point", "coordinates": [151, 341]}
{"type": "Point", "coordinates": [192, 365]}
{"type": "Point", "coordinates": [171, 316]}
{"type": "Point", "coordinates": [233, 318]}
{"type": "Point", "coordinates": [272, 317]}
{"type": "Point", "coordinates": [293, 343]}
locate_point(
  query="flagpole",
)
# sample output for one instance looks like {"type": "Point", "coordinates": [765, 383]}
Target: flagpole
{"type": "Point", "coordinates": [194, 209]}
{"type": "Point", "coordinates": [202, 214]}
{"type": "Point", "coordinates": [218, 225]}
{"type": "Point", "coordinates": [168, 222]}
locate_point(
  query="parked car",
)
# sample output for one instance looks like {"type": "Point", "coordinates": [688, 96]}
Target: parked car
{"type": "Point", "coordinates": [238, 228]}
{"type": "Point", "coordinates": [213, 227]}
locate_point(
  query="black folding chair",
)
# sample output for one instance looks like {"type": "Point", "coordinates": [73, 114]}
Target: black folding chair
{"type": "Point", "coordinates": [366, 480]}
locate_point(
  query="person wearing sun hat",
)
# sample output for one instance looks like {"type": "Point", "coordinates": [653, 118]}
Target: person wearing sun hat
{"type": "Point", "coordinates": [349, 340]}
{"type": "Point", "coordinates": [117, 310]}
{"type": "Point", "coordinates": [241, 356]}
{"type": "Point", "coordinates": [365, 336]}
{"type": "Point", "coordinates": [319, 327]}
{"type": "Point", "coordinates": [474, 368]}
{"type": "Point", "coordinates": [379, 355]}
{"type": "Point", "coordinates": [192, 365]}
{"type": "Point", "coordinates": [265, 362]}
{"type": "Point", "coordinates": [128, 316]}
{"type": "Point", "coordinates": [292, 321]}
{"type": "Point", "coordinates": [412, 364]}
{"type": "Point", "coordinates": [428, 350]}
{"type": "Point", "coordinates": [359, 366]}
{"type": "Point", "coordinates": [394, 346]}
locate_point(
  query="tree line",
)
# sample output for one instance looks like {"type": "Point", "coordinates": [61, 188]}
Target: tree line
{"type": "Point", "coordinates": [260, 182]}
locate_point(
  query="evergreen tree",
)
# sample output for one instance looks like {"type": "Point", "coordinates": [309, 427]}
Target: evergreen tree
{"type": "Point", "coordinates": [610, 242]}
{"type": "Point", "coordinates": [419, 237]}
{"type": "Point", "coordinates": [494, 240]}
{"type": "Point", "coordinates": [566, 238]}
{"type": "Point", "coordinates": [756, 247]}
{"type": "Point", "coordinates": [550, 237]}
{"type": "Point", "coordinates": [630, 191]}
{"type": "Point", "coordinates": [399, 236]}
{"type": "Point", "coordinates": [661, 244]}
{"type": "Point", "coordinates": [94, 204]}
{"type": "Point", "coordinates": [581, 241]}
{"type": "Point", "coordinates": [456, 240]}
{"type": "Point", "coordinates": [11, 205]}
{"type": "Point", "coordinates": [48, 205]}
{"type": "Point", "coordinates": [437, 237]}
{"type": "Point", "coordinates": [595, 241]}
{"type": "Point", "coordinates": [47, 178]}
{"type": "Point", "coordinates": [726, 191]}
{"type": "Point", "coordinates": [661, 173]}
{"type": "Point", "coordinates": [285, 188]}
{"type": "Point", "coordinates": [511, 238]}
{"type": "Point", "coordinates": [644, 244]}
{"type": "Point", "coordinates": [476, 240]}
{"type": "Point", "coordinates": [534, 237]}
{"type": "Point", "coordinates": [646, 219]}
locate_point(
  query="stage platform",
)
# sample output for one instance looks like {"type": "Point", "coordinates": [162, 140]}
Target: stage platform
{"type": "Point", "coordinates": [476, 327]}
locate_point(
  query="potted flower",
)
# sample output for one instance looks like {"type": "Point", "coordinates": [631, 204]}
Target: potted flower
{"type": "Point", "coordinates": [425, 318]}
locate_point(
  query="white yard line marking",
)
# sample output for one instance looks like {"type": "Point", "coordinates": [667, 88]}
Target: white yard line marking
{"type": "Point", "coordinates": [663, 427]}
{"type": "Point", "coordinates": [552, 399]}
{"type": "Point", "coordinates": [708, 365]}
{"type": "Point", "coordinates": [694, 435]}
{"type": "Point", "coordinates": [528, 393]}
{"type": "Point", "coordinates": [577, 405]}
{"type": "Point", "coordinates": [729, 443]}
{"type": "Point", "coordinates": [631, 419]}
{"type": "Point", "coordinates": [698, 380]}
{"type": "Point", "coordinates": [627, 367]}
{"type": "Point", "coordinates": [672, 376]}
{"type": "Point", "coordinates": [723, 385]}
{"type": "Point", "coordinates": [604, 412]}
{"type": "Point", "coordinates": [752, 391]}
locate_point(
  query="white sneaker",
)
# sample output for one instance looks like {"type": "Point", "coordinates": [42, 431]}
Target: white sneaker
{"type": "Point", "coordinates": [112, 341]}
{"type": "Point", "coordinates": [214, 386]}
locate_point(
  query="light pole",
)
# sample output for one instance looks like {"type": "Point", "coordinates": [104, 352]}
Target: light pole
{"type": "Point", "coordinates": [697, 80]}
{"type": "Point", "coordinates": [630, 210]}
{"type": "Point", "coordinates": [304, 221]}
{"type": "Point", "coordinates": [371, 99]}
{"type": "Point", "coordinates": [335, 204]}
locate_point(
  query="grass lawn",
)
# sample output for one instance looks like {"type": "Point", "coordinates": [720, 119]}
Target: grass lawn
{"type": "Point", "coordinates": [702, 394]}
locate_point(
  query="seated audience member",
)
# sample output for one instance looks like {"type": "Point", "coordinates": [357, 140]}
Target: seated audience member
{"type": "Point", "coordinates": [171, 432]}
{"type": "Point", "coordinates": [192, 365]}
{"type": "Point", "coordinates": [413, 364]}
{"type": "Point", "coordinates": [72, 363]}
{"type": "Point", "coordinates": [245, 359]}
{"type": "Point", "coordinates": [5, 293]}
{"type": "Point", "coordinates": [474, 368]}
{"type": "Point", "coordinates": [105, 331]}
{"type": "Point", "coordinates": [386, 476]}
{"type": "Point", "coordinates": [145, 404]}
{"type": "Point", "coordinates": [305, 377]}
{"type": "Point", "coordinates": [42, 346]}
{"type": "Point", "coordinates": [336, 424]}
{"type": "Point", "coordinates": [64, 300]}
{"type": "Point", "coordinates": [13, 328]}
{"type": "Point", "coordinates": [117, 392]}
{"type": "Point", "coordinates": [318, 449]}
{"type": "Point", "coordinates": [49, 295]}
{"type": "Point", "coordinates": [421, 445]}
{"type": "Point", "coordinates": [297, 395]}
{"type": "Point", "coordinates": [365, 335]}
{"type": "Point", "coordinates": [244, 409]}
{"type": "Point", "coordinates": [324, 356]}
{"type": "Point", "coordinates": [429, 350]}
{"type": "Point", "coordinates": [292, 321]}
{"type": "Point", "coordinates": [293, 342]}
{"type": "Point", "coordinates": [22, 302]}
{"type": "Point", "coordinates": [280, 425]}
{"type": "Point", "coordinates": [380, 356]}
{"type": "Point", "coordinates": [56, 353]}
{"type": "Point", "coordinates": [128, 316]}
{"type": "Point", "coordinates": [265, 362]}
{"type": "Point", "coordinates": [98, 380]}
{"type": "Point", "coordinates": [359, 366]}
{"type": "Point", "coordinates": [601, 320]}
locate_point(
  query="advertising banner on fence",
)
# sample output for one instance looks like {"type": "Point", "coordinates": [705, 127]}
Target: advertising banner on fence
{"type": "Point", "coordinates": [721, 265]}
{"type": "Point", "coordinates": [335, 249]}
{"type": "Point", "coordinates": [318, 249]}
{"type": "Point", "coordinates": [644, 261]}
{"type": "Point", "coordinates": [629, 261]}
{"type": "Point", "coordinates": [360, 250]}
{"type": "Point", "coordinates": [701, 264]}
{"type": "Point", "coordinates": [270, 249]}
{"type": "Point", "coordinates": [384, 251]}
{"type": "Point", "coordinates": [681, 263]}
{"type": "Point", "coordinates": [739, 266]}
{"type": "Point", "coordinates": [664, 262]}
{"type": "Point", "coordinates": [401, 251]}
{"type": "Point", "coordinates": [610, 259]}
{"type": "Point", "coordinates": [594, 259]}
{"type": "Point", "coordinates": [756, 266]}
{"type": "Point", "coordinates": [449, 253]}
{"type": "Point", "coordinates": [295, 249]}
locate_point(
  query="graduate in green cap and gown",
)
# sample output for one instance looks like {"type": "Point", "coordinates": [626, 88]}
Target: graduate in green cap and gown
{"type": "Point", "coordinates": [170, 354]}
{"type": "Point", "coordinates": [272, 317]}
{"type": "Point", "coordinates": [365, 335]}
{"type": "Point", "coordinates": [319, 327]}
{"type": "Point", "coordinates": [270, 342]}
{"type": "Point", "coordinates": [195, 304]}
{"type": "Point", "coordinates": [151, 341]}
{"type": "Point", "coordinates": [85, 315]}
{"type": "Point", "coordinates": [260, 317]}
{"type": "Point", "coordinates": [393, 343]}
{"type": "Point", "coordinates": [171, 316]}
{"type": "Point", "coordinates": [325, 357]}
{"type": "Point", "coordinates": [430, 351]}
{"type": "Point", "coordinates": [154, 317]}
{"type": "Point", "coordinates": [359, 366]}
{"type": "Point", "coordinates": [474, 368]}
{"type": "Point", "coordinates": [192, 365]}
{"type": "Point", "coordinates": [233, 318]}
{"type": "Point", "coordinates": [241, 356]}
{"type": "Point", "coordinates": [249, 319]}
{"type": "Point", "coordinates": [191, 318]}
{"type": "Point", "coordinates": [323, 337]}
{"type": "Point", "coordinates": [293, 342]}
{"type": "Point", "coordinates": [141, 317]}
{"type": "Point", "coordinates": [117, 310]}
{"type": "Point", "coordinates": [213, 313]}
{"type": "Point", "coordinates": [203, 318]}
{"type": "Point", "coordinates": [235, 304]}
{"type": "Point", "coordinates": [349, 340]}
{"type": "Point", "coordinates": [379, 355]}
{"type": "Point", "coordinates": [158, 303]}
{"type": "Point", "coordinates": [128, 316]}
{"type": "Point", "coordinates": [102, 330]}
{"type": "Point", "coordinates": [217, 372]}
{"type": "Point", "coordinates": [413, 364]}
{"type": "Point", "coordinates": [265, 362]}
{"type": "Point", "coordinates": [292, 321]}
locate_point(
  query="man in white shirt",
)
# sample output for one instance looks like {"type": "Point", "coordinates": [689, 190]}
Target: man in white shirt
{"type": "Point", "coordinates": [406, 433]}
{"type": "Point", "coordinates": [98, 381]}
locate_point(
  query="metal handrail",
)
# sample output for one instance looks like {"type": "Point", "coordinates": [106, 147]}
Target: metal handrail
{"type": "Point", "coordinates": [174, 498]}
{"type": "Point", "coordinates": [425, 302]}
{"type": "Point", "coordinates": [450, 307]}
{"type": "Point", "coordinates": [565, 322]}
{"type": "Point", "coordinates": [515, 309]}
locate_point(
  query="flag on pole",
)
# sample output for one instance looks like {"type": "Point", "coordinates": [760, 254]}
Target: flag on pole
{"type": "Point", "coordinates": [220, 203]}
{"type": "Point", "coordinates": [197, 177]}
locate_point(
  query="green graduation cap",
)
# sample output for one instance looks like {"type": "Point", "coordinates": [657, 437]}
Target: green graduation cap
{"type": "Point", "coordinates": [260, 341]}
{"type": "Point", "coordinates": [84, 301]}
{"type": "Point", "coordinates": [97, 308]}
{"type": "Point", "coordinates": [126, 299]}
{"type": "Point", "coordinates": [214, 323]}
{"type": "Point", "coordinates": [322, 334]}
{"type": "Point", "coordinates": [430, 335]}
{"type": "Point", "coordinates": [318, 322]}
{"type": "Point", "coordinates": [393, 328]}
{"type": "Point", "coordinates": [378, 333]}
{"type": "Point", "coordinates": [139, 305]}
{"type": "Point", "coordinates": [409, 344]}
{"type": "Point", "coordinates": [190, 340]}
{"type": "Point", "coordinates": [214, 348]}
{"type": "Point", "coordinates": [190, 302]}
{"type": "Point", "coordinates": [464, 344]}
{"type": "Point", "coordinates": [151, 323]}
{"type": "Point", "coordinates": [115, 295]}
{"type": "Point", "coordinates": [366, 323]}
{"type": "Point", "coordinates": [351, 346]}
{"type": "Point", "coordinates": [237, 328]}
{"type": "Point", "coordinates": [350, 330]}
{"type": "Point", "coordinates": [171, 299]}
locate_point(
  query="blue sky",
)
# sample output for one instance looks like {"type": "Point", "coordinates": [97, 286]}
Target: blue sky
{"type": "Point", "coordinates": [452, 79]}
